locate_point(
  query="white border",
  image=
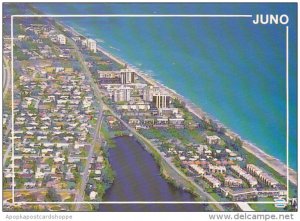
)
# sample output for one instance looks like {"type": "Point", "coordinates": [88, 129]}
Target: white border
{"type": "Point", "coordinates": [153, 202]}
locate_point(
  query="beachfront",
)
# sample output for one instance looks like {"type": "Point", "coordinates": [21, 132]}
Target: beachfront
{"type": "Point", "coordinates": [195, 110]}
{"type": "Point", "coordinates": [279, 166]}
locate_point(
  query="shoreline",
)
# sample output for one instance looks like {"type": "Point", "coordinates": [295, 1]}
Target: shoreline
{"type": "Point", "coordinates": [266, 158]}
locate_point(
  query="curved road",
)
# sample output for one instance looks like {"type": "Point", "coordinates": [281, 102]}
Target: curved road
{"type": "Point", "coordinates": [6, 76]}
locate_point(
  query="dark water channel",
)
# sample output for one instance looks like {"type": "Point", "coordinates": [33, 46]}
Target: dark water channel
{"type": "Point", "coordinates": [138, 179]}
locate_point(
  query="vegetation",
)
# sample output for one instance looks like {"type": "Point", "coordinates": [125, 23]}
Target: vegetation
{"type": "Point", "coordinates": [7, 99]}
{"type": "Point", "coordinates": [108, 174]}
{"type": "Point", "coordinates": [178, 104]}
{"type": "Point", "coordinates": [19, 54]}
{"type": "Point", "coordinates": [52, 195]}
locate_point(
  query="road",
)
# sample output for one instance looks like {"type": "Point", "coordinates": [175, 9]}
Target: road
{"type": "Point", "coordinates": [96, 139]}
{"type": "Point", "coordinates": [85, 176]}
{"type": "Point", "coordinates": [5, 156]}
{"type": "Point", "coordinates": [8, 126]}
{"type": "Point", "coordinates": [6, 76]}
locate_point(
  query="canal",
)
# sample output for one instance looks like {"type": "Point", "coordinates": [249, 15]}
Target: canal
{"type": "Point", "coordinates": [138, 179]}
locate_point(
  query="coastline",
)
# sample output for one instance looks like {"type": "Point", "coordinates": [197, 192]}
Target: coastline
{"type": "Point", "coordinates": [269, 160]}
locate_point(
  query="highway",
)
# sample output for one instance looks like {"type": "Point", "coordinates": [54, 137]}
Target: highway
{"type": "Point", "coordinates": [85, 176]}
{"type": "Point", "coordinates": [96, 139]}
{"type": "Point", "coordinates": [6, 76]}
{"type": "Point", "coordinates": [6, 84]}
{"type": "Point", "coordinates": [5, 156]}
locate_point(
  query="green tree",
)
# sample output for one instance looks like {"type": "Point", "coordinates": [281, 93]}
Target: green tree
{"type": "Point", "coordinates": [52, 195]}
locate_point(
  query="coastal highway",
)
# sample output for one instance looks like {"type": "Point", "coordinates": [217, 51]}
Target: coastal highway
{"type": "Point", "coordinates": [7, 153]}
{"type": "Point", "coordinates": [85, 176]}
{"type": "Point", "coordinates": [6, 76]}
{"type": "Point", "coordinates": [6, 83]}
{"type": "Point", "coordinates": [96, 139]}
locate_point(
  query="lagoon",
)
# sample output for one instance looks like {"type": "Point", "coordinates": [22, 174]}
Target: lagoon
{"type": "Point", "coordinates": [138, 179]}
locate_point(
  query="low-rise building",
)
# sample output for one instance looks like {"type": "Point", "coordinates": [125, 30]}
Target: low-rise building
{"type": "Point", "coordinates": [93, 195]}
{"type": "Point", "coordinates": [244, 175]}
{"type": "Point", "coordinates": [199, 170]}
{"type": "Point", "coordinates": [262, 176]}
{"type": "Point", "coordinates": [213, 139]}
{"type": "Point", "coordinates": [239, 195]}
{"type": "Point", "coordinates": [231, 181]}
{"type": "Point", "coordinates": [212, 181]}
{"type": "Point", "coordinates": [216, 169]}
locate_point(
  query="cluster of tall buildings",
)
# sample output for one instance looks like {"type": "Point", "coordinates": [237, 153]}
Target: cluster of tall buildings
{"type": "Point", "coordinates": [91, 44]}
{"type": "Point", "coordinates": [122, 84]}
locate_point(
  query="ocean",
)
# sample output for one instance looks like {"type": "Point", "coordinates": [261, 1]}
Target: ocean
{"type": "Point", "coordinates": [232, 69]}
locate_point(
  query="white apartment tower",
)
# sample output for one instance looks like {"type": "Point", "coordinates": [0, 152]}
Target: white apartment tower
{"type": "Point", "coordinates": [61, 39]}
{"type": "Point", "coordinates": [148, 93]}
{"type": "Point", "coordinates": [127, 76]}
{"type": "Point", "coordinates": [161, 100]}
{"type": "Point", "coordinates": [122, 94]}
{"type": "Point", "coordinates": [92, 45]}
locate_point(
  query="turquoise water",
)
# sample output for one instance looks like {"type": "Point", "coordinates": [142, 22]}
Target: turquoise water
{"type": "Point", "coordinates": [232, 69]}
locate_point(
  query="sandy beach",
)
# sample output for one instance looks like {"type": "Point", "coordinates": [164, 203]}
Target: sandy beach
{"type": "Point", "coordinates": [269, 160]}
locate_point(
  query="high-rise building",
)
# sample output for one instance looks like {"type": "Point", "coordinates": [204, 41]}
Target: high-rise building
{"type": "Point", "coordinates": [92, 45]}
{"type": "Point", "coordinates": [127, 76]}
{"type": "Point", "coordinates": [148, 93]}
{"type": "Point", "coordinates": [61, 39]}
{"type": "Point", "coordinates": [122, 94]}
{"type": "Point", "coordinates": [161, 100]}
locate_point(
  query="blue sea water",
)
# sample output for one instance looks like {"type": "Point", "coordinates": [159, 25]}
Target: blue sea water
{"type": "Point", "coordinates": [232, 69]}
